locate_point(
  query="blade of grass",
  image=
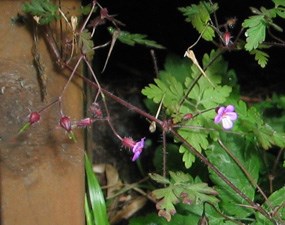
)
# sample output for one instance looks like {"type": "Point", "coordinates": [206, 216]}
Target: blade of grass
{"type": "Point", "coordinates": [95, 195]}
{"type": "Point", "coordinates": [87, 210]}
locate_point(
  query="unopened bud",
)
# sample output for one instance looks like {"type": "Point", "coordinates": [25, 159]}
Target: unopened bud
{"type": "Point", "coordinates": [95, 109]}
{"type": "Point", "coordinates": [84, 122]}
{"type": "Point", "coordinates": [188, 116]}
{"type": "Point", "coordinates": [65, 123]}
{"type": "Point", "coordinates": [34, 117]}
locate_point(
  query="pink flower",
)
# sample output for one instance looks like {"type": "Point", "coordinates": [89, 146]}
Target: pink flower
{"type": "Point", "coordinates": [226, 115]}
{"type": "Point", "coordinates": [136, 147]}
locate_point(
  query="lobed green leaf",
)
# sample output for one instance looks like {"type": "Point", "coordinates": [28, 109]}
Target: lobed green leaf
{"type": "Point", "coordinates": [44, 9]}
{"type": "Point", "coordinates": [182, 188]}
{"type": "Point", "coordinates": [132, 39]}
{"type": "Point", "coordinates": [199, 16]}
{"type": "Point", "coordinates": [251, 123]}
{"type": "Point", "coordinates": [256, 31]}
{"type": "Point", "coordinates": [260, 56]}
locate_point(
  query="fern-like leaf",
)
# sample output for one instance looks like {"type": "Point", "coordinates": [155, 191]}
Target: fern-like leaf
{"type": "Point", "coordinates": [260, 56]}
{"type": "Point", "coordinates": [199, 16]}
{"type": "Point", "coordinates": [256, 27]}
{"type": "Point", "coordinates": [132, 39]}
{"type": "Point", "coordinates": [180, 188]}
{"type": "Point", "coordinates": [43, 9]}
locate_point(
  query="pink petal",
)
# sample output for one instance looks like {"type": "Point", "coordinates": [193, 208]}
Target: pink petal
{"type": "Point", "coordinates": [136, 155]}
{"type": "Point", "coordinates": [137, 149]}
{"type": "Point", "coordinates": [232, 115]}
{"type": "Point", "coordinates": [221, 110]}
{"type": "Point", "coordinates": [218, 119]}
{"type": "Point", "coordinates": [139, 145]}
{"type": "Point", "coordinates": [230, 108]}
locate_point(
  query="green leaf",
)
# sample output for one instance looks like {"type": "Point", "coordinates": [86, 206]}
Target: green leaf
{"type": "Point", "coordinates": [95, 196]}
{"type": "Point", "coordinates": [44, 9]}
{"type": "Point", "coordinates": [197, 139]}
{"type": "Point", "coordinates": [279, 2]}
{"type": "Point", "coordinates": [150, 219]}
{"type": "Point", "coordinates": [181, 188]}
{"type": "Point", "coordinates": [212, 97]}
{"type": "Point", "coordinates": [166, 202]}
{"type": "Point", "coordinates": [251, 123]}
{"type": "Point", "coordinates": [199, 16]}
{"type": "Point", "coordinates": [175, 82]}
{"type": "Point", "coordinates": [216, 66]}
{"type": "Point", "coordinates": [180, 177]}
{"type": "Point", "coordinates": [268, 137]}
{"type": "Point", "coordinates": [177, 67]}
{"type": "Point", "coordinates": [256, 31]}
{"type": "Point", "coordinates": [88, 212]}
{"type": "Point", "coordinates": [158, 178]}
{"type": "Point", "coordinates": [202, 97]}
{"type": "Point", "coordinates": [132, 39]}
{"type": "Point", "coordinates": [281, 12]}
{"type": "Point", "coordinates": [186, 215]}
{"type": "Point", "coordinates": [276, 202]}
{"type": "Point", "coordinates": [248, 157]}
{"type": "Point", "coordinates": [260, 56]}
{"type": "Point", "coordinates": [166, 88]}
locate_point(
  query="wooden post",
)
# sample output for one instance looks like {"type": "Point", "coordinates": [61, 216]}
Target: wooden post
{"type": "Point", "coordinates": [41, 171]}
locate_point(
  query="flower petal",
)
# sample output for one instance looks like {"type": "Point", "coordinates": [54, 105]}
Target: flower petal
{"type": "Point", "coordinates": [232, 115]}
{"type": "Point", "coordinates": [221, 110]}
{"type": "Point", "coordinates": [139, 145]}
{"type": "Point", "coordinates": [227, 123]}
{"type": "Point", "coordinates": [218, 118]}
{"type": "Point", "coordinates": [137, 149]}
{"type": "Point", "coordinates": [230, 108]}
{"type": "Point", "coordinates": [137, 155]}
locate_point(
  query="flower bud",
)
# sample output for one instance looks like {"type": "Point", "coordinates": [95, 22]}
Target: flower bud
{"type": "Point", "coordinates": [84, 122]}
{"type": "Point", "coordinates": [34, 117]}
{"type": "Point", "coordinates": [65, 123]}
{"type": "Point", "coordinates": [96, 111]}
{"type": "Point", "coordinates": [188, 116]}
